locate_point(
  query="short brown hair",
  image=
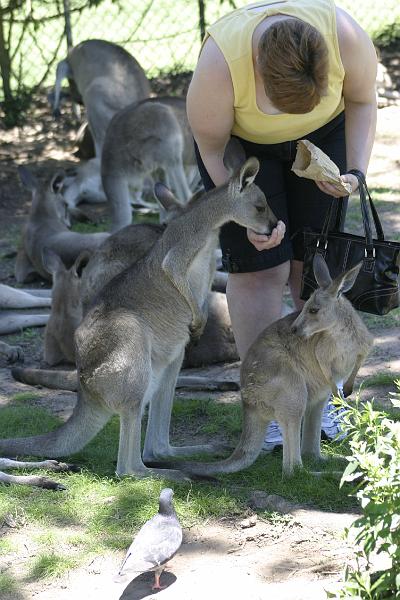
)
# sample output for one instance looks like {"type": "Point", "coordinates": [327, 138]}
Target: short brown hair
{"type": "Point", "coordinates": [293, 62]}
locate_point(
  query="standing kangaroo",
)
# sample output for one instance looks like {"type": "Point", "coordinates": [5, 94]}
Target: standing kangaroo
{"type": "Point", "coordinates": [141, 139]}
{"type": "Point", "coordinates": [290, 370]}
{"type": "Point", "coordinates": [105, 78]}
{"type": "Point", "coordinates": [130, 351]}
{"type": "Point", "coordinates": [47, 228]}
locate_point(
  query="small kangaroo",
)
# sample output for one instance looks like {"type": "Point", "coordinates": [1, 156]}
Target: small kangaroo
{"type": "Point", "coordinates": [47, 226]}
{"type": "Point", "coordinates": [10, 322]}
{"type": "Point", "coordinates": [290, 370]}
{"type": "Point", "coordinates": [130, 351]}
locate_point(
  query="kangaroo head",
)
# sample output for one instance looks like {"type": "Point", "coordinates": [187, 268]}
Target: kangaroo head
{"type": "Point", "coordinates": [324, 309]}
{"type": "Point", "coordinates": [66, 282]}
{"type": "Point", "coordinates": [250, 206]}
{"type": "Point", "coordinates": [46, 199]}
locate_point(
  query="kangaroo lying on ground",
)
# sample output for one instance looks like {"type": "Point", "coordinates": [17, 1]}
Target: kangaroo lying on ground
{"type": "Point", "coordinates": [10, 322]}
{"type": "Point", "coordinates": [290, 370]}
{"type": "Point", "coordinates": [130, 352]}
{"type": "Point", "coordinates": [38, 481]}
{"type": "Point", "coordinates": [47, 228]}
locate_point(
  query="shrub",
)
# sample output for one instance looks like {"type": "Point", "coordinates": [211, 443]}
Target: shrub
{"type": "Point", "coordinates": [374, 467]}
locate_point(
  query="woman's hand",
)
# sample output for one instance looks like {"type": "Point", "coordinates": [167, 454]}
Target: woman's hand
{"type": "Point", "coordinates": [331, 190]}
{"type": "Point", "coordinates": [265, 242]}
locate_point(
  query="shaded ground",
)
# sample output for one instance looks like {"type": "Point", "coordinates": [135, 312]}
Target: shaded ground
{"type": "Point", "coordinates": [294, 558]}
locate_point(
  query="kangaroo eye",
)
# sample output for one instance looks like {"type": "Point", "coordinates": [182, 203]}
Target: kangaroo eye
{"type": "Point", "coordinates": [313, 311]}
{"type": "Point", "coordinates": [260, 208]}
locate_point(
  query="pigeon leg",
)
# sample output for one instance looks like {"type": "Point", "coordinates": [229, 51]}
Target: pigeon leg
{"type": "Point", "coordinates": [157, 575]}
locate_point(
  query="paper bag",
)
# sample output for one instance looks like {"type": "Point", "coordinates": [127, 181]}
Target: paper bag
{"type": "Point", "coordinates": [312, 163]}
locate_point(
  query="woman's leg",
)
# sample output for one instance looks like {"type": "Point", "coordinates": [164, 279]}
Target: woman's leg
{"type": "Point", "coordinates": [255, 301]}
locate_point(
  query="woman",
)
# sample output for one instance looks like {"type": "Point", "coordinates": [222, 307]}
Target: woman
{"type": "Point", "coordinates": [269, 74]}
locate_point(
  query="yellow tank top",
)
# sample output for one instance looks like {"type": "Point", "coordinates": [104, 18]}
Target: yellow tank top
{"type": "Point", "coordinates": [233, 34]}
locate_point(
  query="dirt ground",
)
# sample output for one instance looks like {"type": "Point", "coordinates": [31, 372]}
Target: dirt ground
{"type": "Point", "coordinates": [292, 559]}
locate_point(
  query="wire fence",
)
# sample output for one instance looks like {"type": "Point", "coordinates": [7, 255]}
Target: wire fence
{"type": "Point", "coordinates": [164, 35]}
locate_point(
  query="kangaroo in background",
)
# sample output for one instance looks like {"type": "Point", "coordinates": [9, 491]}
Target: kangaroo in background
{"type": "Point", "coordinates": [290, 370]}
{"type": "Point", "coordinates": [47, 226]}
{"type": "Point", "coordinates": [105, 78]}
{"type": "Point", "coordinates": [130, 352]}
{"type": "Point", "coordinates": [141, 139]}
{"type": "Point", "coordinates": [13, 298]}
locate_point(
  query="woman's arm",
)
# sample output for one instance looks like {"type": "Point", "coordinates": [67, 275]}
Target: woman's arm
{"type": "Point", "coordinates": [360, 64]}
{"type": "Point", "coordinates": [210, 109]}
{"type": "Point", "coordinates": [210, 101]}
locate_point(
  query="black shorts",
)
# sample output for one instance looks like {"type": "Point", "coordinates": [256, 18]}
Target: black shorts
{"type": "Point", "coordinates": [296, 201]}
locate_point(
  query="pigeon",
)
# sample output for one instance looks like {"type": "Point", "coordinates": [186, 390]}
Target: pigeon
{"type": "Point", "coordinates": [156, 542]}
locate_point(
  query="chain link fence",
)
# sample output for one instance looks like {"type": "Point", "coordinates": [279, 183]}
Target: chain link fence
{"type": "Point", "coordinates": [163, 35]}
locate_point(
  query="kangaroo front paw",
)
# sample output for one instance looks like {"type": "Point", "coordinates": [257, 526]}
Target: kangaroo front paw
{"type": "Point", "coordinates": [14, 354]}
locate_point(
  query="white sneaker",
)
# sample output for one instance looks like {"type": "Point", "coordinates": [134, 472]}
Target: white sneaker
{"type": "Point", "coordinates": [273, 437]}
{"type": "Point", "coordinates": [331, 421]}
{"type": "Point", "coordinates": [330, 428]}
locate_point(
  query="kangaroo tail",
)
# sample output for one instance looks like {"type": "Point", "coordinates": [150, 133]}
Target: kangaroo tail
{"type": "Point", "coordinates": [85, 422]}
{"type": "Point", "coordinates": [63, 71]}
{"type": "Point", "coordinates": [58, 380]}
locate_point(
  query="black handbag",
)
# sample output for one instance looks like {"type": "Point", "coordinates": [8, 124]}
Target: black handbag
{"type": "Point", "coordinates": [376, 289]}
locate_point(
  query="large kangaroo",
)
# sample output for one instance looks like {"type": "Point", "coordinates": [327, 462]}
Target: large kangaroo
{"type": "Point", "coordinates": [130, 352]}
{"type": "Point", "coordinates": [47, 226]}
{"type": "Point", "coordinates": [105, 78]}
{"type": "Point", "coordinates": [140, 140]}
{"type": "Point", "coordinates": [290, 370]}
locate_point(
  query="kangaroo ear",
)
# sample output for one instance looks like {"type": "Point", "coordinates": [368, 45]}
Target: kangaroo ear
{"type": "Point", "coordinates": [165, 197]}
{"type": "Point", "coordinates": [321, 271]}
{"type": "Point", "coordinates": [248, 172]}
{"type": "Point", "coordinates": [81, 262]}
{"type": "Point", "coordinates": [51, 261]}
{"type": "Point", "coordinates": [234, 155]}
{"type": "Point", "coordinates": [27, 178]}
{"type": "Point", "coordinates": [57, 182]}
{"type": "Point", "coordinates": [345, 282]}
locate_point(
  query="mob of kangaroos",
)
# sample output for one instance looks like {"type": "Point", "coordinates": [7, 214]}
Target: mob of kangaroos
{"type": "Point", "coordinates": [130, 352]}
{"type": "Point", "coordinates": [290, 370]}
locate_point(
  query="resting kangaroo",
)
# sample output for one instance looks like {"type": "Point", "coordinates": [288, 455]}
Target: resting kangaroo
{"type": "Point", "coordinates": [130, 352]}
{"type": "Point", "coordinates": [47, 227]}
{"type": "Point", "coordinates": [13, 298]}
{"type": "Point", "coordinates": [290, 370]}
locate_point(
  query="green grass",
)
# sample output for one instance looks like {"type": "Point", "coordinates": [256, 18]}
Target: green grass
{"type": "Point", "coordinates": [99, 513]}
{"type": "Point", "coordinates": [7, 583]}
{"type": "Point", "coordinates": [90, 227]}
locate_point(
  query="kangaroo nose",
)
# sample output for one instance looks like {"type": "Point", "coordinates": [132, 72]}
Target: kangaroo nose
{"type": "Point", "coordinates": [293, 329]}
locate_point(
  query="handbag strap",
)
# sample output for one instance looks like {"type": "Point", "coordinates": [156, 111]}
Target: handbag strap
{"type": "Point", "coordinates": [364, 193]}
{"type": "Point", "coordinates": [363, 188]}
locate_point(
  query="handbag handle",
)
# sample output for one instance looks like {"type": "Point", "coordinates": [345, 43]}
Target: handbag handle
{"type": "Point", "coordinates": [364, 192]}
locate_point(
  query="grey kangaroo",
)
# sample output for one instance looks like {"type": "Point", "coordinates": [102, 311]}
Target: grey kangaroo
{"type": "Point", "coordinates": [141, 139]}
{"type": "Point", "coordinates": [291, 368]}
{"type": "Point", "coordinates": [130, 352]}
{"type": "Point", "coordinates": [10, 321]}
{"type": "Point", "coordinates": [47, 226]}
{"type": "Point", "coordinates": [105, 78]}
